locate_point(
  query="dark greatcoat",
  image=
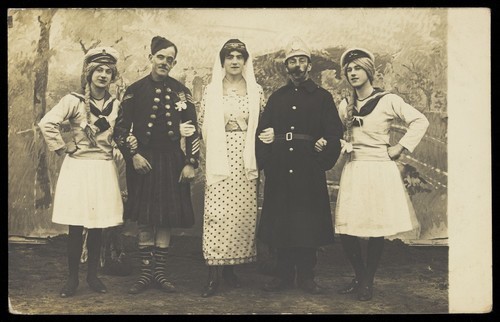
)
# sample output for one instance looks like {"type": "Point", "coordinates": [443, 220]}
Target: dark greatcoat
{"type": "Point", "coordinates": [296, 209]}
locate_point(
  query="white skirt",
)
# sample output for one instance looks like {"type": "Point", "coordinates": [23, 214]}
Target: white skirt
{"type": "Point", "coordinates": [88, 194]}
{"type": "Point", "coordinates": [372, 201]}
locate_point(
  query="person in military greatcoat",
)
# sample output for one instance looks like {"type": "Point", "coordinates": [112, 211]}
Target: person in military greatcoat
{"type": "Point", "coordinates": [158, 171]}
{"type": "Point", "coordinates": [296, 216]}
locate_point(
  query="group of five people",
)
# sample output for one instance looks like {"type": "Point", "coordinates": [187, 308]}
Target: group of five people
{"type": "Point", "coordinates": [294, 137]}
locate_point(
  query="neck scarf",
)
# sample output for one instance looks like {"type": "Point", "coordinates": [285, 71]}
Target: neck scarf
{"type": "Point", "coordinates": [368, 107]}
{"type": "Point", "coordinates": [214, 133]}
{"type": "Point", "coordinates": [108, 106]}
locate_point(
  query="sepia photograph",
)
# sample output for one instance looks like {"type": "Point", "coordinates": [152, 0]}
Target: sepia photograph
{"type": "Point", "coordinates": [232, 161]}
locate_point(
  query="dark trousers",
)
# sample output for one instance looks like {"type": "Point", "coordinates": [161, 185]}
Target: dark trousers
{"type": "Point", "coordinates": [295, 259]}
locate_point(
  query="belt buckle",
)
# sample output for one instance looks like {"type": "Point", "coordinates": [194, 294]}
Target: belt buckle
{"type": "Point", "coordinates": [288, 136]}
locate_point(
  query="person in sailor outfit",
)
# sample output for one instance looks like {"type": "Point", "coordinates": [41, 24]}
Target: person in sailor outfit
{"type": "Point", "coordinates": [87, 192]}
{"type": "Point", "coordinates": [372, 200]}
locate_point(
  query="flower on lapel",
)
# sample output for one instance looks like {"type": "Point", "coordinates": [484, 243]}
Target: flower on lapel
{"type": "Point", "coordinates": [180, 105]}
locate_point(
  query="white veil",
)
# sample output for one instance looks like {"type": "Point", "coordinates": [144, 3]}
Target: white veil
{"type": "Point", "coordinates": [213, 130]}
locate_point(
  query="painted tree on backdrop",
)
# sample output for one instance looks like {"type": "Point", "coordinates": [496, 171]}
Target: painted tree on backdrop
{"type": "Point", "coordinates": [41, 68]}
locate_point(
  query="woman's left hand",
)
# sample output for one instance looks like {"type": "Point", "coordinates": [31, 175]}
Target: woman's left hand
{"type": "Point", "coordinates": [395, 151]}
{"type": "Point", "coordinates": [187, 173]}
{"type": "Point", "coordinates": [320, 144]}
{"type": "Point", "coordinates": [132, 142]}
{"type": "Point", "coordinates": [187, 129]}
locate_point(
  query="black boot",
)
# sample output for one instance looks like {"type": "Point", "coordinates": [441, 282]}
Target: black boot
{"type": "Point", "coordinates": [75, 242]}
{"type": "Point", "coordinates": [229, 276]}
{"type": "Point", "coordinates": [375, 249]}
{"type": "Point", "coordinates": [146, 277]}
{"type": "Point", "coordinates": [285, 271]}
{"type": "Point", "coordinates": [94, 239]}
{"type": "Point", "coordinates": [160, 273]}
{"type": "Point", "coordinates": [306, 259]}
{"type": "Point", "coordinates": [352, 250]}
{"type": "Point", "coordinates": [212, 282]}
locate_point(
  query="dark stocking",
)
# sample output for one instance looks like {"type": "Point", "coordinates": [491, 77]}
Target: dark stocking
{"type": "Point", "coordinates": [75, 242]}
{"type": "Point", "coordinates": [94, 239]}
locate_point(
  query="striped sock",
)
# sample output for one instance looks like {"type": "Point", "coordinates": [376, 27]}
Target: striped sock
{"type": "Point", "coordinates": [146, 255]}
{"type": "Point", "coordinates": [160, 273]}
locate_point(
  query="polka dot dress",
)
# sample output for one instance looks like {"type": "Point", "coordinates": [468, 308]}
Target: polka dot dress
{"type": "Point", "coordinates": [230, 217]}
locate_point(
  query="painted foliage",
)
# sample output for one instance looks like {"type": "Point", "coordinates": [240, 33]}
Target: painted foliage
{"type": "Point", "coordinates": [46, 47]}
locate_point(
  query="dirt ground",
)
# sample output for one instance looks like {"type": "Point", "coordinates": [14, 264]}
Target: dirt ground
{"type": "Point", "coordinates": [409, 280]}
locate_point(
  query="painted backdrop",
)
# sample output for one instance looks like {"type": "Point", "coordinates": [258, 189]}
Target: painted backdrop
{"type": "Point", "coordinates": [46, 47]}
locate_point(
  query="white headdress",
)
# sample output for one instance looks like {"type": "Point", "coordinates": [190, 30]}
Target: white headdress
{"type": "Point", "coordinates": [213, 130]}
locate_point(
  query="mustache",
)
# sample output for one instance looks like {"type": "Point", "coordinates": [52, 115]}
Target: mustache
{"type": "Point", "coordinates": [296, 71]}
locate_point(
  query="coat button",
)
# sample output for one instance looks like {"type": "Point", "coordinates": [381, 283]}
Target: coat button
{"type": "Point", "coordinates": [158, 91]}
{"type": "Point", "coordinates": [167, 106]}
{"type": "Point", "coordinates": [192, 160]}
{"type": "Point", "coordinates": [292, 127]}
{"type": "Point", "coordinates": [294, 107]}
{"type": "Point", "coordinates": [156, 99]}
{"type": "Point", "coordinates": [148, 133]}
{"type": "Point", "coordinates": [291, 171]}
{"type": "Point", "coordinates": [291, 149]}
{"type": "Point", "coordinates": [153, 116]}
{"type": "Point", "coordinates": [155, 107]}
{"type": "Point", "coordinates": [170, 133]}
{"type": "Point", "coordinates": [167, 97]}
{"type": "Point", "coordinates": [168, 114]}
{"type": "Point", "coordinates": [150, 124]}
{"type": "Point", "coordinates": [169, 123]}
{"type": "Point", "coordinates": [296, 89]}
{"type": "Point", "coordinates": [168, 90]}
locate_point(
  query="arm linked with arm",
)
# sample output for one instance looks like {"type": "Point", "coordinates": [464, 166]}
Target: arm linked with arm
{"type": "Point", "coordinates": [193, 141]}
{"type": "Point", "coordinates": [123, 126]}
{"type": "Point", "coordinates": [262, 150]}
{"type": "Point", "coordinates": [332, 132]}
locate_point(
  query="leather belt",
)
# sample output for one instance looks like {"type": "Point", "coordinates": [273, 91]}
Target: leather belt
{"type": "Point", "coordinates": [289, 136]}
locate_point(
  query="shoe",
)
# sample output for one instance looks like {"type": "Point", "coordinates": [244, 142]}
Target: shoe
{"type": "Point", "coordinates": [166, 286]}
{"type": "Point", "coordinates": [210, 289]}
{"type": "Point", "coordinates": [96, 285]}
{"type": "Point", "coordinates": [277, 285]}
{"type": "Point", "coordinates": [69, 289]}
{"type": "Point", "coordinates": [351, 288]}
{"type": "Point", "coordinates": [365, 293]}
{"type": "Point", "coordinates": [311, 287]}
{"type": "Point", "coordinates": [138, 287]}
{"type": "Point", "coordinates": [232, 280]}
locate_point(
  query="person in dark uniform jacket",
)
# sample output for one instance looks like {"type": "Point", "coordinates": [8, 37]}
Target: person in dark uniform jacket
{"type": "Point", "coordinates": [296, 216]}
{"type": "Point", "coordinates": [158, 171]}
